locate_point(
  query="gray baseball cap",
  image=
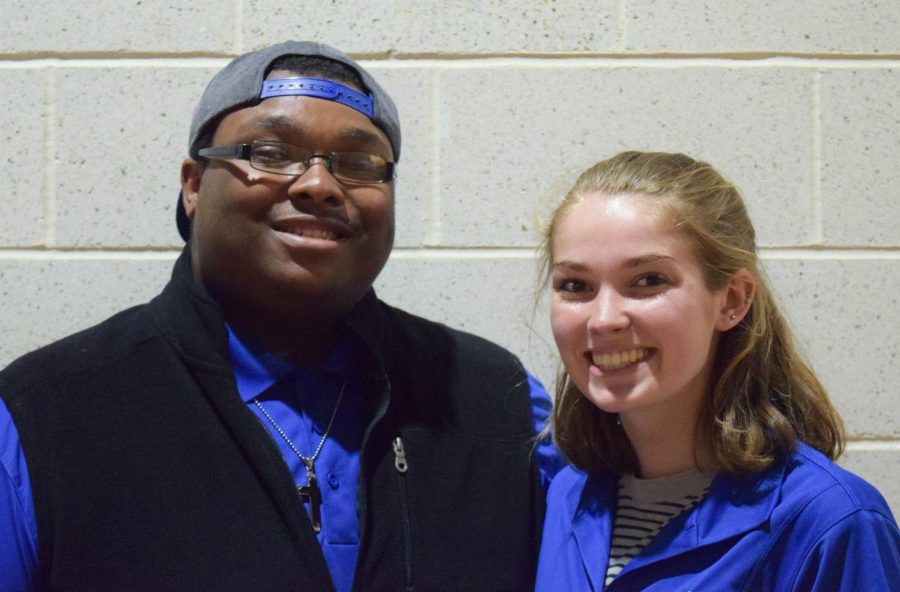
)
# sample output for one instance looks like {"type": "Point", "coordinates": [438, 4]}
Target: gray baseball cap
{"type": "Point", "coordinates": [240, 83]}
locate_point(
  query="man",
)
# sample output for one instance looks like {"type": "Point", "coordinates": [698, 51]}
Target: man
{"type": "Point", "coordinates": [266, 423]}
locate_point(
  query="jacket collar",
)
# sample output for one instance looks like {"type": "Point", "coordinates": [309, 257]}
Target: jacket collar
{"type": "Point", "coordinates": [734, 505]}
{"type": "Point", "coordinates": [593, 509]}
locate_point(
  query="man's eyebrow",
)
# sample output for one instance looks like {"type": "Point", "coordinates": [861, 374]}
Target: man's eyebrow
{"type": "Point", "coordinates": [356, 133]}
{"type": "Point", "coordinates": [278, 123]}
{"type": "Point", "coordinates": [275, 122]}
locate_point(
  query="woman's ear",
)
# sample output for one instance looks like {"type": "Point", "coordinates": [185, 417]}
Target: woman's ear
{"type": "Point", "coordinates": [191, 174]}
{"type": "Point", "coordinates": [739, 294]}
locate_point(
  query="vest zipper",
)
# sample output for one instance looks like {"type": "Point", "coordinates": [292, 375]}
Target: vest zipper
{"type": "Point", "coordinates": [402, 465]}
{"type": "Point", "coordinates": [362, 491]}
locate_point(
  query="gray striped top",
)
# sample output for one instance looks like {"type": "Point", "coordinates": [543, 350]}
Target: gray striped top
{"type": "Point", "coordinates": [644, 507]}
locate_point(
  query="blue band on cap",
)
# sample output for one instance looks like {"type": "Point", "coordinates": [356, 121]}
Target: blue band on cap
{"type": "Point", "coordinates": [321, 89]}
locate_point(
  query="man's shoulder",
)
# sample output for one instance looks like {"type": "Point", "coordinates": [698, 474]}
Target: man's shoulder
{"type": "Point", "coordinates": [430, 335]}
{"type": "Point", "coordinates": [439, 370]}
{"type": "Point", "coordinates": [84, 351]}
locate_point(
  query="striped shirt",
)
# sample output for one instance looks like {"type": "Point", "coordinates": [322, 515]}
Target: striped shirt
{"type": "Point", "coordinates": [644, 507]}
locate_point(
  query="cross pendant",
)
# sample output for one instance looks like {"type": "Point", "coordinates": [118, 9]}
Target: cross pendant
{"type": "Point", "coordinates": [310, 493]}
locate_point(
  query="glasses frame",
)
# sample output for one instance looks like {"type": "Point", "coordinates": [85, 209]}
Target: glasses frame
{"type": "Point", "coordinates": [245, 152]}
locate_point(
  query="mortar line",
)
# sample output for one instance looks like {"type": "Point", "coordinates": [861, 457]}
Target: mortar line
{"type": "Point", "coordinates": [50, 161]}
{"type": "Point", "coordinates": [475, 61]}
{"type": "Point", "coordinates": [817, 235]}
{"type": "Point", "coordinates": [238, 44]}
{"type": "Point", "coordinates": [620, 10]}
{"type": "Point", "coordinates": [446, 252]}
{"type": "Point", "coordinates": [433, 234]}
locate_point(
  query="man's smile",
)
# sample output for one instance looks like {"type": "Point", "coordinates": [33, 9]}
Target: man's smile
{"type": "Point", "coordinates": [308, 227]}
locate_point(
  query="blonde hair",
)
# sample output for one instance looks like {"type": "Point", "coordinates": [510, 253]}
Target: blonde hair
{"type": "Point", "coordinates": [763, 397]}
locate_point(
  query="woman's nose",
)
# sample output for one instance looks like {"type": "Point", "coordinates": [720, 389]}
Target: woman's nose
{"type": "Point", "coordinates": [610, 313]}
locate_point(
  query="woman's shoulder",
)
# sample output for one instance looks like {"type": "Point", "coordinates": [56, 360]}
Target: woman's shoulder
{"type": "Point", "coordinates": [822, 505]}
{"type": "Point", "coordinates": [832, 526]}
{"type": "Point", "coordinates": [814, 482]}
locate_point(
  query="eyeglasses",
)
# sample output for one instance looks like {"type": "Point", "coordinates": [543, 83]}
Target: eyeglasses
{"type": "Point", "coordinates": [286, 159]}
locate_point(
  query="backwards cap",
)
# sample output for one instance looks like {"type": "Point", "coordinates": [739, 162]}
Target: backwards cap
{"type": "Point", "coordinates": [240, 83]}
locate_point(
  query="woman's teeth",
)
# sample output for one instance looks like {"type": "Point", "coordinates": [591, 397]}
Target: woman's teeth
{"type": "Point", "coordinates": [620, 359]}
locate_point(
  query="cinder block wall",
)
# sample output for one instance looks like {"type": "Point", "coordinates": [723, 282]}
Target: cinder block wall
{"type": "Point", "coordinates": [798, 101]}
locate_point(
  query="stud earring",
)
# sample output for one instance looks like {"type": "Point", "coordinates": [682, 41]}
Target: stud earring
{"type": "Point", "coordinates": [733, 317]}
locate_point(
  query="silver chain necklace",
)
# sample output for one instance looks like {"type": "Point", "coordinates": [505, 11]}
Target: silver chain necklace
{"type": "Point", "coordinates": [309, 492]}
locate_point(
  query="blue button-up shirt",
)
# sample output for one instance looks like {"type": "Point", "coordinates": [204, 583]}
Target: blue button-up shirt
{"type": "Point", "coordinates": [301, 401]}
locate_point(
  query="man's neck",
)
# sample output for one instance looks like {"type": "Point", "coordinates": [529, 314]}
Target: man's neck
{"type": "Point", "coordinates": [300, 341]}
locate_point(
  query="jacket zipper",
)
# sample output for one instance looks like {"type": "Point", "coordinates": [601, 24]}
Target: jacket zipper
{"type": "Point", "coordinates": [402, 465]}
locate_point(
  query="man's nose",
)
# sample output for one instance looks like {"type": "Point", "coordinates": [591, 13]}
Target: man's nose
{"type": "Point", "coordinates": [317, 183]}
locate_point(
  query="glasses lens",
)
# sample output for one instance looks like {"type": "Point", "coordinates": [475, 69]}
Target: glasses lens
{"type": "Point", "coordinates": [278, 157]}
{"type": "Point", "coordinates": [359, 166]}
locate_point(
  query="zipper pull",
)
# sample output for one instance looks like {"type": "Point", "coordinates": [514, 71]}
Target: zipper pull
{"type": "Point", "coordinates": [399, 456]}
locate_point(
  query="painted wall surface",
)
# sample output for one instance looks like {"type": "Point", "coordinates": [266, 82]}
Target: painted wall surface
{"type": "Point", "coordinates": [797, 101]}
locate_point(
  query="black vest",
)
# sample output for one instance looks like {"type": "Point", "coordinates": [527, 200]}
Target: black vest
{"type": "Point", "coordinates": [150, 474]}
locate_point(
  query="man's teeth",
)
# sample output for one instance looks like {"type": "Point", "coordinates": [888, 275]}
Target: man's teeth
{"type": "Point", "coordinates": [620, 359]}
{"type": "Point", "coordinates": [317, 234]}
{"type": "Point", "coordinates": [313, 233]}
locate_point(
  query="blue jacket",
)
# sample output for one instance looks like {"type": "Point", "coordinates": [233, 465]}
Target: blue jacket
{"type": "Point", "coordinates": [804, 524]}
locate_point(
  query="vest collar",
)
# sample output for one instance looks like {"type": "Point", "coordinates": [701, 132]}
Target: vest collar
{"type": "Point", "coordinates": [195, 323]}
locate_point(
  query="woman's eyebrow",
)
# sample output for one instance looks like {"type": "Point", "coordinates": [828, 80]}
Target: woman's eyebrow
{"type": "Point", "coordinates": [649, 258]}
{"type": "Point", "coordinates": [570, 265]}
{"type": "Point", "coordinates": [631, 262]}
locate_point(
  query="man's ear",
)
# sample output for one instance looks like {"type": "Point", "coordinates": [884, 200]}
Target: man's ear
{"type": "Point", "coordinates": [191, 175]}
{"type": "Point", "coordinates": [739, 294]}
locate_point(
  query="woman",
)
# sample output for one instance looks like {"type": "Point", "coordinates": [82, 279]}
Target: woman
{"type": "Point", "coordinates": [703, 442]}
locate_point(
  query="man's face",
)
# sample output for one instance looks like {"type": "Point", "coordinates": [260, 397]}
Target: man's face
{"type": "Point", "coordinates": [268, 242]}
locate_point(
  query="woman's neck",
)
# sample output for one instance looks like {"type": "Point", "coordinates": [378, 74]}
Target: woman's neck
{"type": "Point", "coordinates": [666, 445]}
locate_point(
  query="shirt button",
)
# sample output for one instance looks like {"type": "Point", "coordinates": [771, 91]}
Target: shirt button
{"type": "Point", "coordinates": [333, 481]}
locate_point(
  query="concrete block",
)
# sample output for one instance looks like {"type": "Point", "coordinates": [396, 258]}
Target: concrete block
{"type": "Point", "coordinates": [45, 300]}
{"type": "Point", "coordinates": [122, 134]}
{"type": "Point", "coordinates": [39, 26]}
{"type": "Point", "coordinates": [860, 111]}
{"type": "Point", "coordinates": [798, 26]}
{"type": "Point", "coordinates": [24, 157]}
{"type": "Point", "coordinates": [844, 313]}
{"type": "Point", "coordinates": [455, 26]}
{"type": "Point", "coordinates": [879, 464]}
{"type": "Point", "coordinates": [491, 296]}
{"type": "Point", "coordinates": [510, 138]}
{"type": "Point", "coordinates": [411, 90]}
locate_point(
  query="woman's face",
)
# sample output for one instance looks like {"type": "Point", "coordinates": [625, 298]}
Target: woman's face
{"type": "Point", "coordinates": [634, 322]}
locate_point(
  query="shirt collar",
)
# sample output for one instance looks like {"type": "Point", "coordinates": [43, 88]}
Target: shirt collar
{"type": "Point", "coordinates": [255, 370]}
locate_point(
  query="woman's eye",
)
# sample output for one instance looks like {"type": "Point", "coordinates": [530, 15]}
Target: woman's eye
{"type": "Point", "coordinates": [571, 286]}
{"type": "Point", "coordinates": [651, 280]}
